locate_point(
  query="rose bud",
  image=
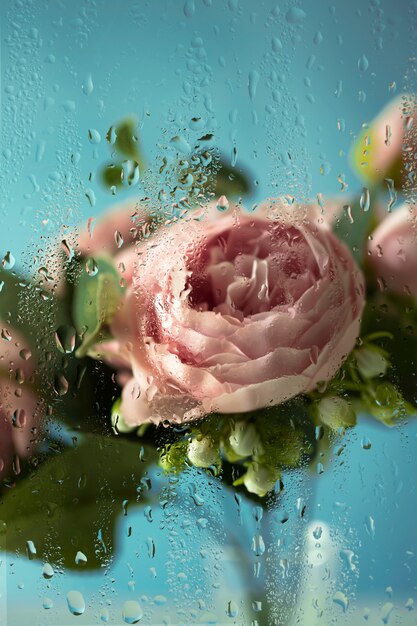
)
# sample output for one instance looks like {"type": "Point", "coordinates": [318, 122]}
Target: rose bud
{"type": "Point", "coordinates": [371, 362]}
{"type": "Point", "coordinates": [335, 412]}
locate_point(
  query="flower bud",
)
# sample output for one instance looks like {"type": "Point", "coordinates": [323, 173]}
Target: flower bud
{"type": "Point", "coordinates": [203, 452]}
{"type": "Point", "coordinates": [371, 362]}
{"type": "Point", "coordinates": [244, 440]}
{"type": "Point", "coordinates": [386, 404]}
{"type": "Point", "coordinates": [335, 412]}
{"type": "Point", "coordinates": [260, 479]}
{"type": "Point", "coordinates": [173, 456]}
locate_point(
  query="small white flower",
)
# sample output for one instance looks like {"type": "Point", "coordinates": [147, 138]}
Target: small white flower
{"type": "Point", "coordinates": [260, 479]}
{"type": "Point", "coordinates": [335, 412]}
{"type": "Point", "coordinates": [371, 363]}
{"type": "Point", "coordinates": [203, 452]}
{"type": "Point", "coordinates": [244, 440]}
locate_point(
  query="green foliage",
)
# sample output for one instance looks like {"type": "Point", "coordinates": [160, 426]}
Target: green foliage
{"type": "Point", "coordinates": [72, 497]}
{"type": "Point", "coordinates": [96, 299]}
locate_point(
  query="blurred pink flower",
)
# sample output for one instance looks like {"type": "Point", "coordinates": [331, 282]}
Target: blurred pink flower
{"type": "Point", "coordinates": [378, 153]}
{"type": "Point", "coordinates": [232, 313]}
{"type": "Point", "coordinates": [20, 413]}
{"type": "Point", "coordinates": [393, 251]}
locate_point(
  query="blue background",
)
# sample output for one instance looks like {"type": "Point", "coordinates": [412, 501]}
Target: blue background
{"type": "Point", "coordinates": [165, 65]}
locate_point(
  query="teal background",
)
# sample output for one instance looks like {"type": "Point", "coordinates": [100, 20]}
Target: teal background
{"type": "Point", "coordinates": [151, 60]}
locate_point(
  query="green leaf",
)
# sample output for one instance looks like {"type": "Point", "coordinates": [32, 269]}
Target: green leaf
{"type": "Point", "coordinates": [96, 300]}
{"type": "Point", "coordinates": [127, 140]}
{"type": "Point", "coordinates": [231, 182]}
{"type": "Point", "coordinates": [111, 175]}
{"type": "Point", "coordinates": [74, 497]}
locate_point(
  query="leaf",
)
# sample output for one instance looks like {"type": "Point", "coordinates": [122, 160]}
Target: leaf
{"type": "Point", "coordinates": [73, 497]}
{"type": "Point", "coordinates": [111, 175]}
{"type": "Point", "coordinates": [96, 299]}
{"type": "Point", "coordinates": [127, 142]}
{"type": "Point", "coordinates": [231, 182]}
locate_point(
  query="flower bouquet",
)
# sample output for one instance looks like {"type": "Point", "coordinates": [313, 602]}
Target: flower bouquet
{"type": "Point", "coordinates": [186, 329]}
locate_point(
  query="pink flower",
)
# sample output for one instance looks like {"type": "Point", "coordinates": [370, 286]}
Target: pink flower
{"type": "Point", "coordinates": [393, 252]}
{"type": "Point", "coordinates": [233, 313]}
{"type": "Point", "coordinates": [378, 152]}
{"type": "Point", "coordinates": [19, 407]}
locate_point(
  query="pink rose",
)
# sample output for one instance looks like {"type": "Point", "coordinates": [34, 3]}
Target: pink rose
{"type": "Point", "coordinates": [233, 313]}
{"type": "Point", "coordinates": [393, 252]}
{"type": "Point", "coordinates": [19, 408]}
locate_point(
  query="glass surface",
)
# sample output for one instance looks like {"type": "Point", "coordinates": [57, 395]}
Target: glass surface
{"type": "Point", "coordinates": [106, 104]}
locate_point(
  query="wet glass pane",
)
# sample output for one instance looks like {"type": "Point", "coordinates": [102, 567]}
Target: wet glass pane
{"type": "Point", "coordinates": [208, 312]}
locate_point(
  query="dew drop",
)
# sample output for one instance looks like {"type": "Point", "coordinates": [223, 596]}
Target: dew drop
{"type": "Point", "coordinates": [65, 338]}
{"type": "Point", "coordinates": [91, 267]}
{"type": "Point", "coordinates": [47, 571]}
{"type": "Point", "coordinates": [132, 612]}
{"type": "Point", "coordinates": [8, 261]}
{"type": "Point", "coordinates": [253, 80]}
{"type": "Point", "coordinates": [295, 15]}
{"type": "Point", "coordinates": [76, 603]}
{"type": "Point", "coordinates": [222, 204]}
{"type": "Point", "coordinates": [80, 558]}
{"type": "Point", "coordinates": [363, 63]}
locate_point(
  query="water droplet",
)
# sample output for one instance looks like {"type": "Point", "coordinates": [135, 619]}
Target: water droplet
{"type": "Point", "coordinates": [232, 609]}
{"type": "Point", "coordinates": [276, 44]}
{"type": "Point", "coordinates": [30, 550]}
{"type": "Point", "coordinates": [80, 558]}
{"type": "Point", "coordinates": [132, 612]}
{"type": "Point", "coordinates": [222, 204]}
{"type": "Point", "coordinates": [76, 603]}
{"type": "Point", "coordinates": [130, 174]}
{"type": "Point", "coordinates": [47, 603]}
{"type": "Point", "coordinates": [91, 196]}
{"type": "Point", "coordinates": [347, 557]}
{"type": "Point", "coordinates": [295, 15]}
{"type": "Point", "coordinates": [47, 571]}
{"type": "Point", "coordinates": [65, 337]}
{"type": "Point", "coordinates": [180, 144]}
{"type": "Point", "coordinates": [317, 533]}
{"type": "Point", "coordinates": [151, 547]}
{"type": "Point", "coordinates": [253, 80]}
{"type": "Point", "coordinates": [88, 85]}
{"type": "Point", "coordinates": [365, 199]}
{"type": "Point", "coordinates": [258, 545]}
{"type": "Point", "coordinates": [118, 238]}
{"type": "Point", "coordinates": [5, 334]}
{"type": "Point", "coordinates": [189, 8]}
{"type": "Point", "coordinates": [366, 443]}
{"type": "Point", "coordinates": [363, 63]}
{"type": "Point", "coordinates": [370, 526]}
{"type": "Point", "coordinates": [61, 385]}
{"type": "Point", "coordinates": [341, 600]}
{"type": "Point", "coordinates": [67, 249]}
{"type": "Point", "coordinates": [8, 261]}
{"type": "Point", "coordinates": [91, 267]}
{"type": "Point", "coordinates": [386, 612]}
{"type": "Point", "coordinates": [318, 38]}
{"type": "Point", "coordinates": [392, 193]}
{"type": "Point", "coordinates": [94, 136]}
